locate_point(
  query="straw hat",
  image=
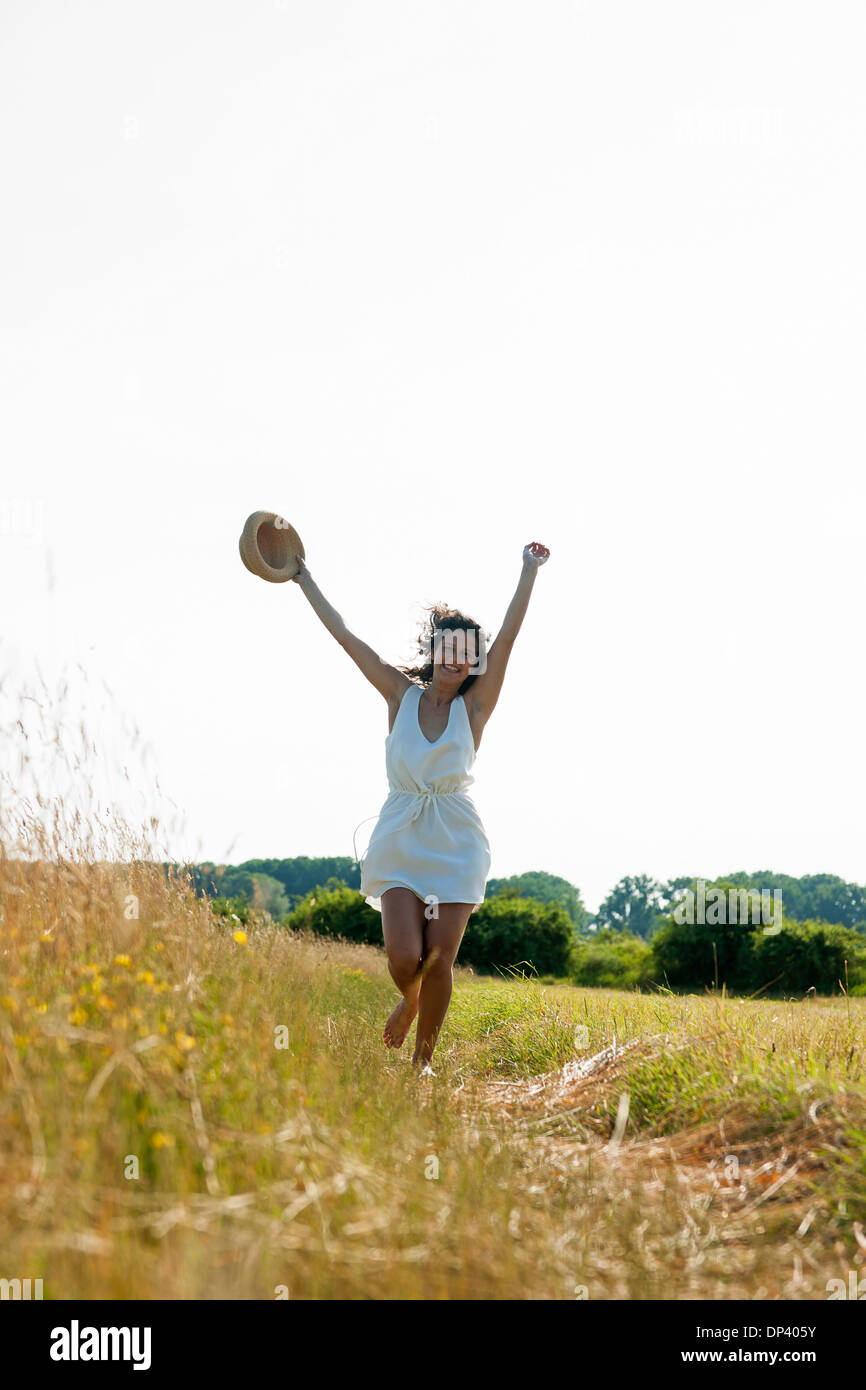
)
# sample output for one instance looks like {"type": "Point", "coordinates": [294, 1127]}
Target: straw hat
{"type": "Point", "coordinates": [268, 546]}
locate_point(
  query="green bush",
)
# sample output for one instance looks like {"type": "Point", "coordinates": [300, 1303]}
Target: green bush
{"type": "Point", "coordinates": [613, 960]}
{"type": "Point", "coordinates": [808, 954]}
{"type": "Point", "coordinates": [504, 932]}
{"type": "Point", "coordinates": [336, 910]}
{"type": "Point", "coordinates": [683, 954]}
{"type": "Point", "coordinates": [510, 931]}
{"type": "Point", "coordinates": [802, 956]}
{"type": "Point", "coordinates": [232, 907]}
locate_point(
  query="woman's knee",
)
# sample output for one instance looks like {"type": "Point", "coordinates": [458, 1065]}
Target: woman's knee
{"type": "Point", "coordinates": [438, 964]}
{"type": "Point", "coordinates": [403, 967]}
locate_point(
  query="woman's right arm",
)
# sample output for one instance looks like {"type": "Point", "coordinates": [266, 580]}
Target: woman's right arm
{"type": "Point", "coordinates": [387, 679]}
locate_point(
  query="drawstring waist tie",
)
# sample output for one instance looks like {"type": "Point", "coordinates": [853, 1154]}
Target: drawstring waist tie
{"type": "Point", "coordinates": [422, 799]}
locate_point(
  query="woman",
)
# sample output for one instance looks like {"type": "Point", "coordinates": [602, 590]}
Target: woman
{"type": "Point", "coordinates": [428, 858]}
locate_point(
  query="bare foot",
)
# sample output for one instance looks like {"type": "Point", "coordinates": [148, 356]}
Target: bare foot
{"type": "Point", "coordinates": [399, 1023]}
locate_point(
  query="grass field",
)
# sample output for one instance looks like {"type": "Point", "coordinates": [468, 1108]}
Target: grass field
{"type": "Point", "coordinates": [192, 1111]}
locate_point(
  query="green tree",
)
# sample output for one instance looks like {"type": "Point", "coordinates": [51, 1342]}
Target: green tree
{"type": "Point", "coordinates": [297, 876]}
{"type": "Point", "coordinates": [302, 874]}
{"type": "Point", "coordinates": [270, 895]}
{"type": "Point", "coordinates": [634, 904]}
{"type": "Point", "coordinates": [546, 888]}
{"type": "Point", "coordinates": [814, 897]}
{"type": "Point", "coordinates": [235, 883]}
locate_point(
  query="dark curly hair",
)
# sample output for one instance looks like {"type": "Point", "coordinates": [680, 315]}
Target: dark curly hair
{"type": "Point", "coordinates": [442, 618]}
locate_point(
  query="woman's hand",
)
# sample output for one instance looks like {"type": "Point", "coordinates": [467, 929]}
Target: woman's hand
{"type": "Point", "coordinates": [535, 555]}
{"type": "Point", "coordinates": [303, 572]}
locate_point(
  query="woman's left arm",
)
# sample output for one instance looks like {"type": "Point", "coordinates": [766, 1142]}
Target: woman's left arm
{"type": "Point", "coordinates": [484, 691]}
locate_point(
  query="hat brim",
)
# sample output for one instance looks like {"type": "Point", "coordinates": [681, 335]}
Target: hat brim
{"type": "Point", "coordinates": [268, 546]}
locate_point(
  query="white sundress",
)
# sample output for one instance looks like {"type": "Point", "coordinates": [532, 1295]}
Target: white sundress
{"type": "Point", "coordinates": [428, 836]}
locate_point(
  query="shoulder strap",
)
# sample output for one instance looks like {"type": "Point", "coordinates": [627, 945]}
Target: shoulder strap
{"type": "Point", "coordinates": [405, 696]}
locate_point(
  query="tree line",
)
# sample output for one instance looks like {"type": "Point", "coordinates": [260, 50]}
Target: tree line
{"type": "Point", "coordinates": [634, 940]}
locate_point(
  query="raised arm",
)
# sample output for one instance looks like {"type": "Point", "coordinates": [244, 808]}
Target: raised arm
{"type": "Point", "coordinates": [387, 679]}
{"type": "Point", "coordinates": [484, 691]}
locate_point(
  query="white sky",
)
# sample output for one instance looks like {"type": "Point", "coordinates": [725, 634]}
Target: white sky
{"type": "Point", "coordinates": [435, 280]}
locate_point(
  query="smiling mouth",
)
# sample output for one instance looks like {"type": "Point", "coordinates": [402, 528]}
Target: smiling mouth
{"type": "Point", "coordinates": [446, 667]}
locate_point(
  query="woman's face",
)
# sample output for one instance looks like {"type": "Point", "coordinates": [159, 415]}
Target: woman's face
{"type": "Point", "coordinates": [455, 656]}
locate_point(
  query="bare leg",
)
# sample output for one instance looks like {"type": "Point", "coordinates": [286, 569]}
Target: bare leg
{"type": "Point", "coordinates": [402, 928]}
{"type": "Point", "coordinates": [442, 939]}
